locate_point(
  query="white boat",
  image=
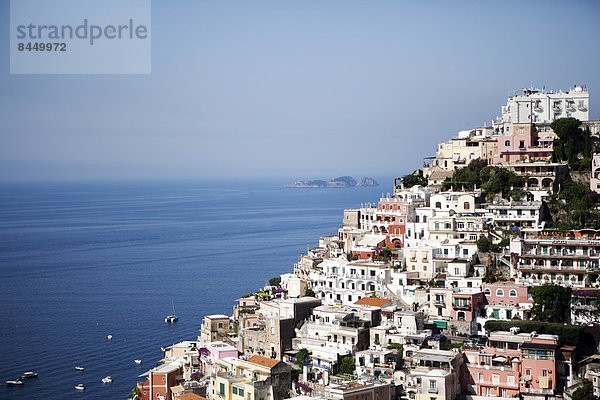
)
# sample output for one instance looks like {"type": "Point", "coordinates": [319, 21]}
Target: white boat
{"type": "Point", "coordinates": [109, 337]}
{"type": "Point", "coordinates": [14, 382]}
{"type": "Point", "coordinates": [80, 386]}
{"type": "Point", "coordinates": [169, 319]}
{"type": "Point", "coordinates": [137, 361]}
{"type": "Point", "coordinates": [79, 369]}
{"type": "Point", "coordinates": [107, 379]}
{"type": "Point", "coordinates": [29, 375]}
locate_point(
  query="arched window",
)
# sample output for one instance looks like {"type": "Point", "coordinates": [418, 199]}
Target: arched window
{"type": "Point", "coordinates": [507, 143]}
{"type": "Point", "coordinates": [466, 206]}
{"type": "Point", "coordinates": [424, 218]}
{"type": "Point", "coordinates": [512, 293]}
{"type": "Point", "coordinates": [500, 293]}
{"type": "Point", "coordinates": [487, 292]}
{"type": "Point", "coordinates": [438, 204]}
{"type": "Point", "coordinates": [417, 219]}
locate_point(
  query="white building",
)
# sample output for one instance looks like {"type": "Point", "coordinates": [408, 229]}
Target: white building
{"type": "Point", "coordinates": [538, 106]}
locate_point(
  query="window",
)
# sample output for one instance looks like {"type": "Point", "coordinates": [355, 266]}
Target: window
{"type": "Point", "coordinates": [466, 205]}
{"type": "Point", "coordinates": [512, 293]}
{"type": "Point", "coordinates": [508, 314]}
{"type": "Point", "coordinates": [234, 390]}
{"type": "Point", "coordinates": [372, 273]}
{"type": "Point", "coordinates": [500, 293]}
{"type": "Point", "coordinates": [544, 372]}
{"type": "Point", "coordinates": [424, 218]}
{"type": "Point", "coordinates": [495, 379]}
{"type": "Point", "coordinates": [241, 392]}
{"type": "Point", "coordinates": [438, 204]}
{"type": "Point", "coordinates": [507, 143]}
{"type": "Point", "coordinates": [487, 292]}
{"type": "Point", "coordinates": [522, 144]}
{"type": "Point", "coordinates": [222, 389]}
{"type": "Point", "coordinates": [510, 380]}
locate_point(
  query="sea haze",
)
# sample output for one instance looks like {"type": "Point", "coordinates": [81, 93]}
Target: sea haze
{"type": "Point", "coordinates": [80, 261]}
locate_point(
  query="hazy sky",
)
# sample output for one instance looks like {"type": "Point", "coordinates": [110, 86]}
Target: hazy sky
{"type": "Point", "coordinates": [298, 89]}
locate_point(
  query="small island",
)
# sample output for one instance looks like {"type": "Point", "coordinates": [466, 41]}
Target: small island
{"type": "Point", "coordinates": [340, 182]}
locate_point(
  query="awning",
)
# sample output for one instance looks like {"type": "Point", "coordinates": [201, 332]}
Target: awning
{"type": "Point", "coordinates": [372, 240]}
{"type": "Point", "coordinates": [440, 324]}
{"type": "Point", "coordinates": [499, 359]}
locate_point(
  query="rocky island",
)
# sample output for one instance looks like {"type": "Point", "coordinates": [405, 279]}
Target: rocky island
{"type": "Point", "coordinates": [340, 182]}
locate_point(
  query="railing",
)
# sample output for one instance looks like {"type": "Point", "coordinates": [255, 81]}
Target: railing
{"type": "Point", "coordinates": [462, 306]}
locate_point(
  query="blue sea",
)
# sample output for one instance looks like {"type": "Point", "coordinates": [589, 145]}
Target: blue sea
{"type": "Point", "coordinates": [80, 261]}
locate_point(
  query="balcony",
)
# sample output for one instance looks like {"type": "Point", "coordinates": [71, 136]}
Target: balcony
{"type": "Point", "coordinates": [557, 109]}
{"type": "Point", "coordinates": [461, 306]}
{"type": "Point", "coordinates": [432, 390]}
{"type": "Point", "coordinates": [571, 107]}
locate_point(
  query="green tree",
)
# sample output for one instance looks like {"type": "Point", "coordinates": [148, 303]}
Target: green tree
{"type": "Point", "coordinates": [275, 281]}
{"type": "Point", "coordinates": [347, 365]}
{"type": "Point", "coordinates": [398, 347]}
{"type": "Point", "coordinates": [585, 392]}
{"type": "Point", "coordinates": [134, 393]}
{"type": "Point", "coordinates": [551, 303]}
{"type": "Point", "coordinates": [484, 245]}
{"type": "Point", "coordinates": [308, 292]}
{"type": "Point", "coordinates": [414, 179]}
{"type": "Point", "coordinates": [574, 145]}
{"type": "Point", "coordinates": [303, 357]}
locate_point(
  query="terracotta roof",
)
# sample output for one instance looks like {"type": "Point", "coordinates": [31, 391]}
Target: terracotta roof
{"type": "Point", "coordinates": [263, 361]}
{"type": "Point", "coordinates": [373, 301]}
{"type": "Point", "coordinates": [191, 396]}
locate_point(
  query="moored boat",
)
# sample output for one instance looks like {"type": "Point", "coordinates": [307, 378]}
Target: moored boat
{"type": "Point", "coordinates": [169, 319]}
{"type": "Point", "coordinates": [14, 382]}
{"type": "Point", "coordinates": [79, 369]}
{"type": "Point", "coordinates": [80, 386]}
{"type": "Point", "coordinates": [109, 337]}
{"type": "Point", "coordinates": [107, 379]}
{"type": "Point", "coordinates": [137, 361]}
{"type": "Point", "coordinates": [29, 375]}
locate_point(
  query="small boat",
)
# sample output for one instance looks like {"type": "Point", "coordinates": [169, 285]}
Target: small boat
{"type": "Point", "coordinates": [107, 379]}
{"type": "Point", "coordinates": [80, 386]}
{"type": "Point", "coordinates": [79, 369]}
{"type": "Point", "coordinates": [169, 319]}
{"type": "Point", "coordinates": [137, 361]}
{"type": "Point", "coordinates": [14, 382]}
{"type": "Point", "coordinates": [29, 375]}
{"type": "Point", "coordinates": [109, 337]}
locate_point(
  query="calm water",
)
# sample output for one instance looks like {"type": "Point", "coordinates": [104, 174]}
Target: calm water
{"type": "Point", "coordinates": [81, 261]}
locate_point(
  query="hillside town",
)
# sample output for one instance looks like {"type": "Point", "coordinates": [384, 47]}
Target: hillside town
{"type": "Point", "coordinates": [476, 277]}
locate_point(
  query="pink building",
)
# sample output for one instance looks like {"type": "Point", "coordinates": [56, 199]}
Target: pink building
{"type": "Point", "coordinates": [513, 364]}
{"type": "Point", "coordinates": [505, 294]}
{"type": "Point", "coordinates": [465, 305]}
{"type": "Point", "coordinates": [523, 144]}
{"type": "Point", "coordinates": [211, 353]}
